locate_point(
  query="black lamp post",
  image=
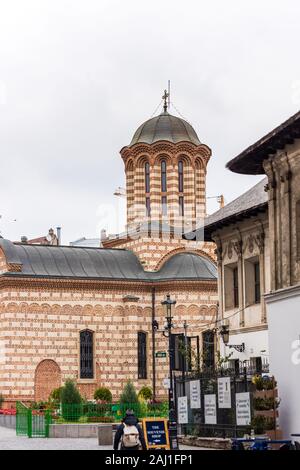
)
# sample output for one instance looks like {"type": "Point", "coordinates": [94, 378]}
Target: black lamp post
{"type": "Point", "coordinates": [168, 303]}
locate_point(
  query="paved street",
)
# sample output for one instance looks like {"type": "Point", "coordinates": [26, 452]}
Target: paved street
{"type": "Point", "coordinates": [9, 441]}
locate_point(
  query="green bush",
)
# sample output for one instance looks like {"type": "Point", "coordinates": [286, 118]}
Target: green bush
{"type": "Point", "coordinates": [261, 424]}
{"type": "Point", "coordinates": [55, 395]}
{"type": "Point", "coordinates": [103, 394]}
{"type": "Point", "coordinates": [1, 400]}
{"type": "Point", "coordinates": [145, 393]}
{"type": "Point", "coordinates": [129, 399]}
{"type": "Point", "coordinates": [71, 402]}
{"type": "Point", "coordinates": [129, 394]}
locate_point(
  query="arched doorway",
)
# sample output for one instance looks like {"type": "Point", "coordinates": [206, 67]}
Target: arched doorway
{"type": "Point", "coordinates": [47, 377]}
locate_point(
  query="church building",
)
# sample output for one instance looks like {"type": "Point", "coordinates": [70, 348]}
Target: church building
{"type": "Point", "coordinates": [91, 314]}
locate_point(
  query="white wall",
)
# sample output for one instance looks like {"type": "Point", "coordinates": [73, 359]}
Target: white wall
{"type": "Point", "coordinates": [283, 311]}
{"type": "Point", "coordinates": [256, 345]}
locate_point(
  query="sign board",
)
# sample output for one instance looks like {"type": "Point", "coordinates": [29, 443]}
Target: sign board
{"type": "Point", "coordinates": [224, 392]}
{"type": "Point", "coordinates": [156, 433]}
{"type": "Point", "coordinates": [182, 410]}
{"type": "Point", "coordinates": [166, 383]}
{"type": "Point", "coordinates": [195, 395]}
{"type": "Point", "coordinates": [161, 354]}
{"type": "Point", "coordinates": [243, 409]}
{"type": "Point", "coordinates": [210, 409]}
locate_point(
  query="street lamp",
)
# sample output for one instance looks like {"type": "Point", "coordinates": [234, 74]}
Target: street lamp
{"type": "Point", "coordinates": [168, 303]}
{"type": "Point", "coordinates": [224, 332]}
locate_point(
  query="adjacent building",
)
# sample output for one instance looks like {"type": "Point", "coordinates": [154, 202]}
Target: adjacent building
{"type": "Point", "coordinates": [277, 155]}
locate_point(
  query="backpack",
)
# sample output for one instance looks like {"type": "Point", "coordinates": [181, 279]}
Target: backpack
{"type": "Point", "coordinates": [131, 437]}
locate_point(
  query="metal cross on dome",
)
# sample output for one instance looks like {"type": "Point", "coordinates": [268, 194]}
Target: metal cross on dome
{"type": "Point", "coordinates": [165, 98]}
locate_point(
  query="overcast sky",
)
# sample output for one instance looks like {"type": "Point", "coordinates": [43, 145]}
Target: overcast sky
{"type": "Point", "coordinates": [78, 77]}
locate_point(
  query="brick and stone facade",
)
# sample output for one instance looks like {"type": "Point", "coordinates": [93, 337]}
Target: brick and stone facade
{"type": "Point", "coordinates": [45, 304]}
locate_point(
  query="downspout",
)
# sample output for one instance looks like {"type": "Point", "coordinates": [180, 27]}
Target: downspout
{"type": "Point", "coordinates": [153, 345]}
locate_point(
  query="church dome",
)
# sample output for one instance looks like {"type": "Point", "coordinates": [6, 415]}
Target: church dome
{"type": "Point", "coordinates": [165, 127]}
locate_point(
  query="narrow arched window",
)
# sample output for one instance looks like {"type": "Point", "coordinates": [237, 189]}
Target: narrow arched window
{"type": "Point", "coordinates": [180, 176]}
{"type": "Point", "coordinates": [142, 355]}
{"type": "Point", "coordinates": [163, 167]}
{"type": "Point", "coordinates": [86, 355]}
{"type": "Point", "coordinates": [147, 177]}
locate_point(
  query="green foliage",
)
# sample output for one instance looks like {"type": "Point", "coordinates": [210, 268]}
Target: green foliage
{"type": "Point", "coordinates": [70, 397]}
{"type": "Point", "coordinates": [103, 394]}
{"type": "Point", "coordinates": [264, 383]}
{"type": "Point", "coordinates": [265, 403]}
{"type": "Point", "coordinates": [261, 423]}
{"type": "Point", "coordinates": [145, 393]}
{"type": "Point", "coordinates": [70, 393]}
{"type": "Point", "coordinates": [1, 400]}
{"type": "Point", "coordinates": [55, 395]}
{"type": "Point", "coordinates": [129, 394]}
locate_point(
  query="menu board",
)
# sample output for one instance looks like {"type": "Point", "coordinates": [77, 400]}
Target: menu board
{"type": "Point", "coordinates": [156, 433]}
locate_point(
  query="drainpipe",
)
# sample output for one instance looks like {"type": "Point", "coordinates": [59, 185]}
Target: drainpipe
{"type": "Point", "coordinates": [153, 345]}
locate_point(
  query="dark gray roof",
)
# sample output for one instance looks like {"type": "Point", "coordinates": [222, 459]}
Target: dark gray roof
{"type": "Point", "coordinates": [250, 161]}
{"type": "Point", "coordinates": [165, 127]}
{"type": "Point", "coordinates": [99, 263]}
{"type": "Point", "coordinates": [187, 266]}
{"type": "Point", "coordinates": [256, 198]}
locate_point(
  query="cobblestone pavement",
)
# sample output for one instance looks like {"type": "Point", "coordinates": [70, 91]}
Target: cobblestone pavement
{"type": "Point", "coordinates": [9, 441]}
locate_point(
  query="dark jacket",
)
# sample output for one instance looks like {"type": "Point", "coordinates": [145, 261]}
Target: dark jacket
{"type": "Point", "coordinates": [129, 421]}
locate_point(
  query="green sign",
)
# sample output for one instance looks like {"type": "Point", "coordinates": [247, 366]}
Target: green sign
{"type": "Point", "coordinates": [161, 354]}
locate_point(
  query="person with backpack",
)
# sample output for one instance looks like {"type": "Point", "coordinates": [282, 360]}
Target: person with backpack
{"type": "Point", "coordinates": [130, 434]}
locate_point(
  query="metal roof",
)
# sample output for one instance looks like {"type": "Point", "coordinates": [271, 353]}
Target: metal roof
{"type": "Point", "coordinates": [98, 263]}
{"type": "Point", "coordinates": [250, 161]}
{"type": "Point", "coordinates": [253, 200]}
{"type": "Point", "coordinates": [165, 127]}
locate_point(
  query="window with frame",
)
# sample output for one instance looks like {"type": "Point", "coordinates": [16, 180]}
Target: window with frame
{"type": "Point", "coordinates": [86, 354]}
{"type": "Point", "coordinates": [181, 206]}
{"type": "Point", "coordinates": [163, 169]}
{"type": "Point", "coordinates": [148, 207]}
{"type": "Point", "coordinates": [164, 209]}
{"type": "Point", "coordinates": [147, 177]}
{"type": "Point", "coordinates": [235, 274]}
{"type": "Point", "coordinates": [256, 283]}
{"type": "Point", "coordinates": [142, 355]}
{"type": "Point", "coordinates": [180, 176]}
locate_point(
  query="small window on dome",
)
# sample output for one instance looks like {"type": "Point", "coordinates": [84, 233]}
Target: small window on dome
{"type": "Point", "coordinates": [180, 176]}
{"type": "Point", "coordinates": [163, 176]}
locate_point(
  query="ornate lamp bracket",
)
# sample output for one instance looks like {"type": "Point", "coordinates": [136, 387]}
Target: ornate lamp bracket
{"type": "Point", "coordinates": [238, 347]}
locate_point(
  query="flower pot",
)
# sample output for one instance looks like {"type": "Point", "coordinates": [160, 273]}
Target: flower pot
{"type": "Point", "coordinates": [266, 413]}
{"type": "Point", "coordinates": [266, 393]}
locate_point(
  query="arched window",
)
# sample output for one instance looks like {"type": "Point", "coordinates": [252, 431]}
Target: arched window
{"type": "Point", "coordinates": [86, 355]}
{"type": "Point", "coordinates": [163, 167]}
{"type": "Point", "coordinates": [180, 176]}
{"type": "Point", "coordinates": [142, 355]}
{"type": "Point", "coordinates": [147, 177]}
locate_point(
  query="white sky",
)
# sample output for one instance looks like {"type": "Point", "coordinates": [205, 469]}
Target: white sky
{"type": "Point", "coordinates": [78, 77]}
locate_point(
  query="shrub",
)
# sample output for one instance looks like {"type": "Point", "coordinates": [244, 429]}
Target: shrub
{"type": "Point", "coordinates": [261, 424]}
{"type": "Point", "coordinates": [129, 399]}
{"type": "Point", "coordinates": [103, 394]}
{"type": "Point", "coordinates": [1, 400]}
{"type": "Point", "coordinates": [55, 395]}
{"type": "Point", "coordinates": [129, 394]}
{"type": "Point", "coordinates": [70, 401]}
{"type": "Point", "coordinates": [145, 393]}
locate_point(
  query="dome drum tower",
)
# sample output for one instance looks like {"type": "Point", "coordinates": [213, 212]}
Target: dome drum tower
{"type": "Point", "coordinates": [165, 166]}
